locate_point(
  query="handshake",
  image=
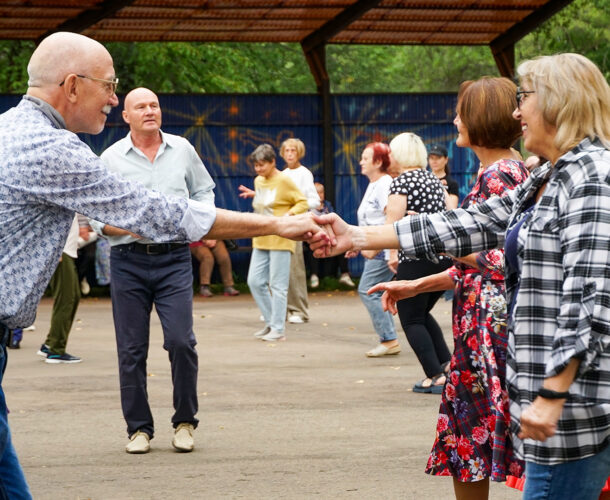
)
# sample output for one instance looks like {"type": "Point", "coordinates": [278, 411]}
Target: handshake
{"type": "Point", "coordinates": [329, 235]}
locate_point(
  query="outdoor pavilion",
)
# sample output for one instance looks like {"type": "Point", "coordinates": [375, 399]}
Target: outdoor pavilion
{"type": "Point", "coordinates": [312, 23]}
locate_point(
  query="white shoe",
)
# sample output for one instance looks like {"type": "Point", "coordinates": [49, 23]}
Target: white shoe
{"type": "Point", "coordinates": [273, 336]}
{"type": "Point", "coordinates": [183, 437]}
{"type": "Point", "coordinates": [84, 287]}
{"type": "Point", "coordinates": [30, 328]}
{"type": "Point", "coordinates": [295, 319]}
{"type": "Point", "coordinates": [262, 332]}
{"type": "Point", "coordinates": [139, 443]}
{"type": "Point", "coordinates": [382, 350]}
{"type": "Point", "coordinates": [261, 318]}
{"type": "Point", "coordinates": [314, 281]}
{"type": "Point", "coordinates": [346, 280]}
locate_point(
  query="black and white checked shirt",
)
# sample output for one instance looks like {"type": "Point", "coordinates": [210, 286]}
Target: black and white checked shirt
{"type": "Point", "coordinates": [562, 307]}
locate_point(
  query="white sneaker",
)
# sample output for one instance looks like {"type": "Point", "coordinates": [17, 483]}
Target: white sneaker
{"type": "Point", "coordinates": [346, 280]}
{"type": "Point", "coordinates": [30, 328]}
{"type": "Point", "coordinates": [273, 336]}
{"type": "Point", "coordinates": [261, 318]}
{"type": "Point", "coordinates": [84, 287]}
{"type": "Point", "coordinates": [183, 437]}
{"type": "Point", "coordinates": [262, 332]}
{"type": "Point", "coordinates": [139, 443]}
{"type": "Point", "coordinates": [314, 281]}
{"type": "Point", "coordinates": [295, 318]}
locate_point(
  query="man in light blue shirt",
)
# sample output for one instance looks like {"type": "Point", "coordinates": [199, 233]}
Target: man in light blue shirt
{"type": "Point", "coordinates": [47, 174]}
{"type": "Point", "coordinates": [145, 273]}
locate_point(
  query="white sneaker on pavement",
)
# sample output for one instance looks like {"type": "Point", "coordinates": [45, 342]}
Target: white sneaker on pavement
{"type": "Point", "coordinates": [273, 336]}
{"type": "Point", "coordinates": [314, 281]}
{"type": "Point", "coordinates": [346, 280]}
{"type": "Point", "coordinates": [262, 332]}
{"type": "Point", "coordinates": [295, 319]}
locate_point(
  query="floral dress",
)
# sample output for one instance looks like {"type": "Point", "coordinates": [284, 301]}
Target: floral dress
{"type": "Point", "coordinates": [472, 432]}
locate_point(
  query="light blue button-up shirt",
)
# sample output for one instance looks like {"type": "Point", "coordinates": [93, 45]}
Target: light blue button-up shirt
{"type": "Point", "coordinates": [46, 175]}
{"type": "Point", "coordinates": [176, 170]}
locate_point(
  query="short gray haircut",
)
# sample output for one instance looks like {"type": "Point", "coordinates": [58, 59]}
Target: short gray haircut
{"type": "Point", "coordinates": [263, 153]}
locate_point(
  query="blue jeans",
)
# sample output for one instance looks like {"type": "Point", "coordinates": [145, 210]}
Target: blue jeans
{"type": "Point", "coordinates": [582, 479]}
{"type": "Point", "coordinates": [12, 479]}
{"type": "Point", "coordinates": [268, 278]}
{"type": "Point", "coordinates": [377, 271]}
{"type": "Point", "coordinates": [139, 281]}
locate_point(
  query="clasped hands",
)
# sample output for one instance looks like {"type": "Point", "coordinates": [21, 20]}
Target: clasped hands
{"type": "Point", "coordinates": [327, 235]}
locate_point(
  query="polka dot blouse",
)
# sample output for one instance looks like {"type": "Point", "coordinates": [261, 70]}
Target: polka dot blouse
{"type": "Point", "coordinates": [424, 192]}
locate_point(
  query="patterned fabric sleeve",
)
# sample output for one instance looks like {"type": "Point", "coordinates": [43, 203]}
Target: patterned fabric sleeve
{"type": "Point", "coordinates": [583, 227]}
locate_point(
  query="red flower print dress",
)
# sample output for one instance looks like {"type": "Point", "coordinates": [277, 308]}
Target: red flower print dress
{"type": "Point", "coordinates": [472, 432]}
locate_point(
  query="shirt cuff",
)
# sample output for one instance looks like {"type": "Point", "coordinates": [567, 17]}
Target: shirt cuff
{"type": "Point", "coordinates": [198, 219]}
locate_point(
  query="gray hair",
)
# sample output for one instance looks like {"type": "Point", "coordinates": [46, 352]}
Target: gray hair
{"type": "Point", "coordinates": [264, 152]}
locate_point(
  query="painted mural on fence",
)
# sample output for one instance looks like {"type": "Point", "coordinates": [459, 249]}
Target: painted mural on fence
{"type": "Point", "coordinates": [226, 128]}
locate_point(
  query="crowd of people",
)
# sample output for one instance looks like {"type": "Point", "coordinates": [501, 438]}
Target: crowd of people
{"type": "Point", "coordinates": [526, 390]}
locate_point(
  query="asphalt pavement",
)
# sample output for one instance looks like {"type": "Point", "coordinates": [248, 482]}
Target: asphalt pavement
{"type": "Point", "coordinates": [308, 418]}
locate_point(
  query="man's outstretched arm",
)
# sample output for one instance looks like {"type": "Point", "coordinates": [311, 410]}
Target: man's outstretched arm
{"type": "Point", "coordinates": [229, 224]}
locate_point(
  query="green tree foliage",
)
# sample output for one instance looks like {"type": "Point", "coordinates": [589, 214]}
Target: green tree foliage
{"type": "Point", "coordinates": [14, 57]}
{"type": "Point", "coordinates": [177, 67]}
{"type": "Point", "coordinates": [583, 27]}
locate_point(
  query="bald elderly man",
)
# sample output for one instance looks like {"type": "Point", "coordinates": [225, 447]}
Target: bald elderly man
{"type": "Point", "coordinates": [145, 272]}
{"type": "Point", "coordinates": [47, 174]}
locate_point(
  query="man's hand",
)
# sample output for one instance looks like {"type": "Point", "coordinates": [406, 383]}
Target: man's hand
{"type": "Point", "coordinates": [245, 192]}
{"type": "Point", "coordinates": [301, 228]}
{"type": "Point", "coordinates": [83, 232]}
{"type": "Point", "coordinates": [340, 236]}
{"type": "Point", "coordinates": [539, 421]}
{"type": "Point", "coordinates": [393, 291]}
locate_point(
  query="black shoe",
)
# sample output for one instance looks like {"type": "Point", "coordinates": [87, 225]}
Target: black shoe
{"type": "Point", "coordinates": [44, 350]}
{"type": "Point", "coordinates": [62, 358]}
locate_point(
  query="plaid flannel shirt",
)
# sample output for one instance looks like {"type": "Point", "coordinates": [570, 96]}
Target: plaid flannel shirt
{"type": "Point", "coordinates": [562, 308]}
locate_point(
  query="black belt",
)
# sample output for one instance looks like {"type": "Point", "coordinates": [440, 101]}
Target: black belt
{"type": "Point", "coordinates": [153, 248]}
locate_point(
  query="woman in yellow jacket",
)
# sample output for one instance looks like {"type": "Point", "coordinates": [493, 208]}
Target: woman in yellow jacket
{"type": "Point", "coordinates": [269, 272]}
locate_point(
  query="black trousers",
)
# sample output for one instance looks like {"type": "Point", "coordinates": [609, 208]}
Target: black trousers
{"type": "Point", "coordinates": [421, 329]}
{"type": "Point", "coordinates": [138, 281]}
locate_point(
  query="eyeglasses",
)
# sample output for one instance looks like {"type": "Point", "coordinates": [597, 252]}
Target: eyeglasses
{"type": "Point", "coordinates": [111, 85]}
{"type": "Point", "coordinates": [521, 95]}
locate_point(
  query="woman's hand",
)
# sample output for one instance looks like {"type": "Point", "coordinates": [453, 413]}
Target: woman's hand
{"type": "Point", "coordinates": [246, 192]}
{"type": "Point", "coordinates": [393, 291]}
{"type": "Point", "coordinates": [539, 420]}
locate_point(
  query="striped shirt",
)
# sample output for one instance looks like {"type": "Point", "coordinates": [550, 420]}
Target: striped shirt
{"type": "Point", "coordinates": [562, 309]}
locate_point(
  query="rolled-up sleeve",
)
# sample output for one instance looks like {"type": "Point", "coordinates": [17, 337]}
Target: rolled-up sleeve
{"type": "Point", "coordinates": [198, 219]}
{"type": "Point", "coordinates": [583, 324]}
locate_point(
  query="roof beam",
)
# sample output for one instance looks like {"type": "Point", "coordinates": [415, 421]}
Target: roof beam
{"type": "Point", "coordinates": [527, 25]}
{"type": "Point", "coordinates": [88, 18]}
{"type": "Point", "coordinates": [337, 24]}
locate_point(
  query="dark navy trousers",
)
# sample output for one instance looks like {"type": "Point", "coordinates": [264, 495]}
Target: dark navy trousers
{"type": "Point", "coordinates": [137, 282]}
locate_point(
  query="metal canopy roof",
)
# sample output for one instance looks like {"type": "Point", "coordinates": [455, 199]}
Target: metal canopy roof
{"type": "Point", "coordinates": [312, 23]}
{"type": "Point", "coordinates": [435, 22]}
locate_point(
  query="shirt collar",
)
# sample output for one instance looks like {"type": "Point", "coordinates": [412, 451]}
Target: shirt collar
{"type": "Point", "coordinates": [46, 109]}
{"type": "Point", "coordinates": [166, 141]}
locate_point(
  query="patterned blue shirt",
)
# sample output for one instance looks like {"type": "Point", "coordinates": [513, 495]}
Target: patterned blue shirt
{"type": "Point", "coordinates": [177, 170]}
{"type": "Point", "coordinates": [46, 175]}
{"type": "Point", "coordinates": [562, 309]}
